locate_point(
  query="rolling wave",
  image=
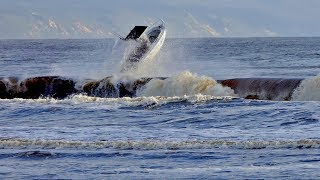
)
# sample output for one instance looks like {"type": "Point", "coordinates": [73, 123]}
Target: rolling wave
{"type": "Point", "coordinates": [182, 84]}
{"type": "Point", "coordinates": [185, 83]}
{"type": "Point", "coordinates": [159, 144]}
{"type": "Point", "coordinates": [122, 102]}
{"type": "Point", "coordinates": [308, 90]}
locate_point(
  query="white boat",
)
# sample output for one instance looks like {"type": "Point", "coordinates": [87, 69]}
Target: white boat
{"type": "Point", "coordinates": [148, 42]}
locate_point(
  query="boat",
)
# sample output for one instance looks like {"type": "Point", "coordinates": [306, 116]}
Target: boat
{"type": "Point", "coordinates": [147, 44]}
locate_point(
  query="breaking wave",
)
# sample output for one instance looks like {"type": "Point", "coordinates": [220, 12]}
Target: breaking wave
{"type": "Point", "coordinates": [308, 90]}
{"type": "Point", "coordinates": [185, 83]}
{"type": "Point", "coordinates": [157, 144]}
{"type": "Point", "coordinates": [185, 86]}
{"type": "Point", "coordinates": [121, 102]}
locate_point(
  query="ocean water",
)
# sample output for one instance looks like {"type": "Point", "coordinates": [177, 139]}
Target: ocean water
{"type": "Point", "coordinates": [168, 130]}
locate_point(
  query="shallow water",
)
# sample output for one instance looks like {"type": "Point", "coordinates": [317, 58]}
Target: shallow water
{"type": "Point", "coordinates": [184, 136]}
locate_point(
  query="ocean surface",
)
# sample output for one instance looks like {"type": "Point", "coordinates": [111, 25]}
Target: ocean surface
{"type": "Point", "coordinates": [169, 132]}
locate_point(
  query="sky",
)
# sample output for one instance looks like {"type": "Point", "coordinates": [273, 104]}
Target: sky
{"type": "Point", "coordinates": [44, 19]}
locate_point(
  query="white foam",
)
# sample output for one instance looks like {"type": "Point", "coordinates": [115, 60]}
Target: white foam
{"type": "Point", "coordinates": [308, 90]}
{"type": "Point", "coordinates": [113, 103]}
{"type": "Point", "coordinates": [185, 83]}
{"type": "Point", "coordinates": [158, 144]}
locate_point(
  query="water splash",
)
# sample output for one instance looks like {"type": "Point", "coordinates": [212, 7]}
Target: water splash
{"type": "Point", "coordinates": [185, 83]}
{"type": "Point", "coordinates": [115, 103]}
{"type": "Point", "coordinates": [308, 90]}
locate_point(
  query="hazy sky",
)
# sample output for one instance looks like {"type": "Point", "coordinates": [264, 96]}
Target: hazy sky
{"type": "Point", "coordinates": [184, 18]}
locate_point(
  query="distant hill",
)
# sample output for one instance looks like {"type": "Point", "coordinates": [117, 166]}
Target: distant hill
{"type": "Point", "coordinates": [184, 18]}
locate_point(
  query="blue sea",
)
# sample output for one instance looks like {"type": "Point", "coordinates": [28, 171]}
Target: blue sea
{"type": "Point", "coordinates": [163, 133]}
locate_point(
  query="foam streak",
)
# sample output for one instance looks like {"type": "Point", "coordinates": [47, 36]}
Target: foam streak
{"type": "Point", "coordinates": [157, 144]}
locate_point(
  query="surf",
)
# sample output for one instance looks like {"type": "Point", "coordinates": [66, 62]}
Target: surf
{"type": "Point", "coordinates": [132, 79]}
{"type": "Point", "coordinates": [159, 145]}
{"type": "Point", "coordinates": [184, 83]}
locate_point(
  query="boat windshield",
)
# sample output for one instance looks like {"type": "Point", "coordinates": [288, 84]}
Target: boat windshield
{"type": "Point", "coordinates": [153, 35]}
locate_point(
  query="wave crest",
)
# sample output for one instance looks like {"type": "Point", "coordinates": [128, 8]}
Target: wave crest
{"type": "Point", "coordinates": [157, 144]}
{"type": "Point", "coordinates": [144, 101]}
{"type": "Point", "coordinates": [308, 90]}
{"type": "Point", "coordinates": [185, 83]}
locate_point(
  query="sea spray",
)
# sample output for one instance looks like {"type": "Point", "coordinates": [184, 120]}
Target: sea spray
{"type": "Point", "coordinates": [185, 83]}
{"type": "Point", "coordinates": [139, 54]}
{"type": "Point", "coordinates": [308, 90]}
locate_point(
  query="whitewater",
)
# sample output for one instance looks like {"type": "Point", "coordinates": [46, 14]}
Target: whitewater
{"type": "Point", "coordinates": [182, 123]}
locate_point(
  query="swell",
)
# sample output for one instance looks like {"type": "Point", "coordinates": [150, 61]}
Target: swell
{"type": "Point", "coordinates": [263, 88]}
{"type": "Point", "coordinates": [183, 84]}
{"type": "Point", "coordinates": [61, 87]}
{"type": "Point", "coordinates": [35, 87]}
{"type": "Point", "coordinates": [159, 144]}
